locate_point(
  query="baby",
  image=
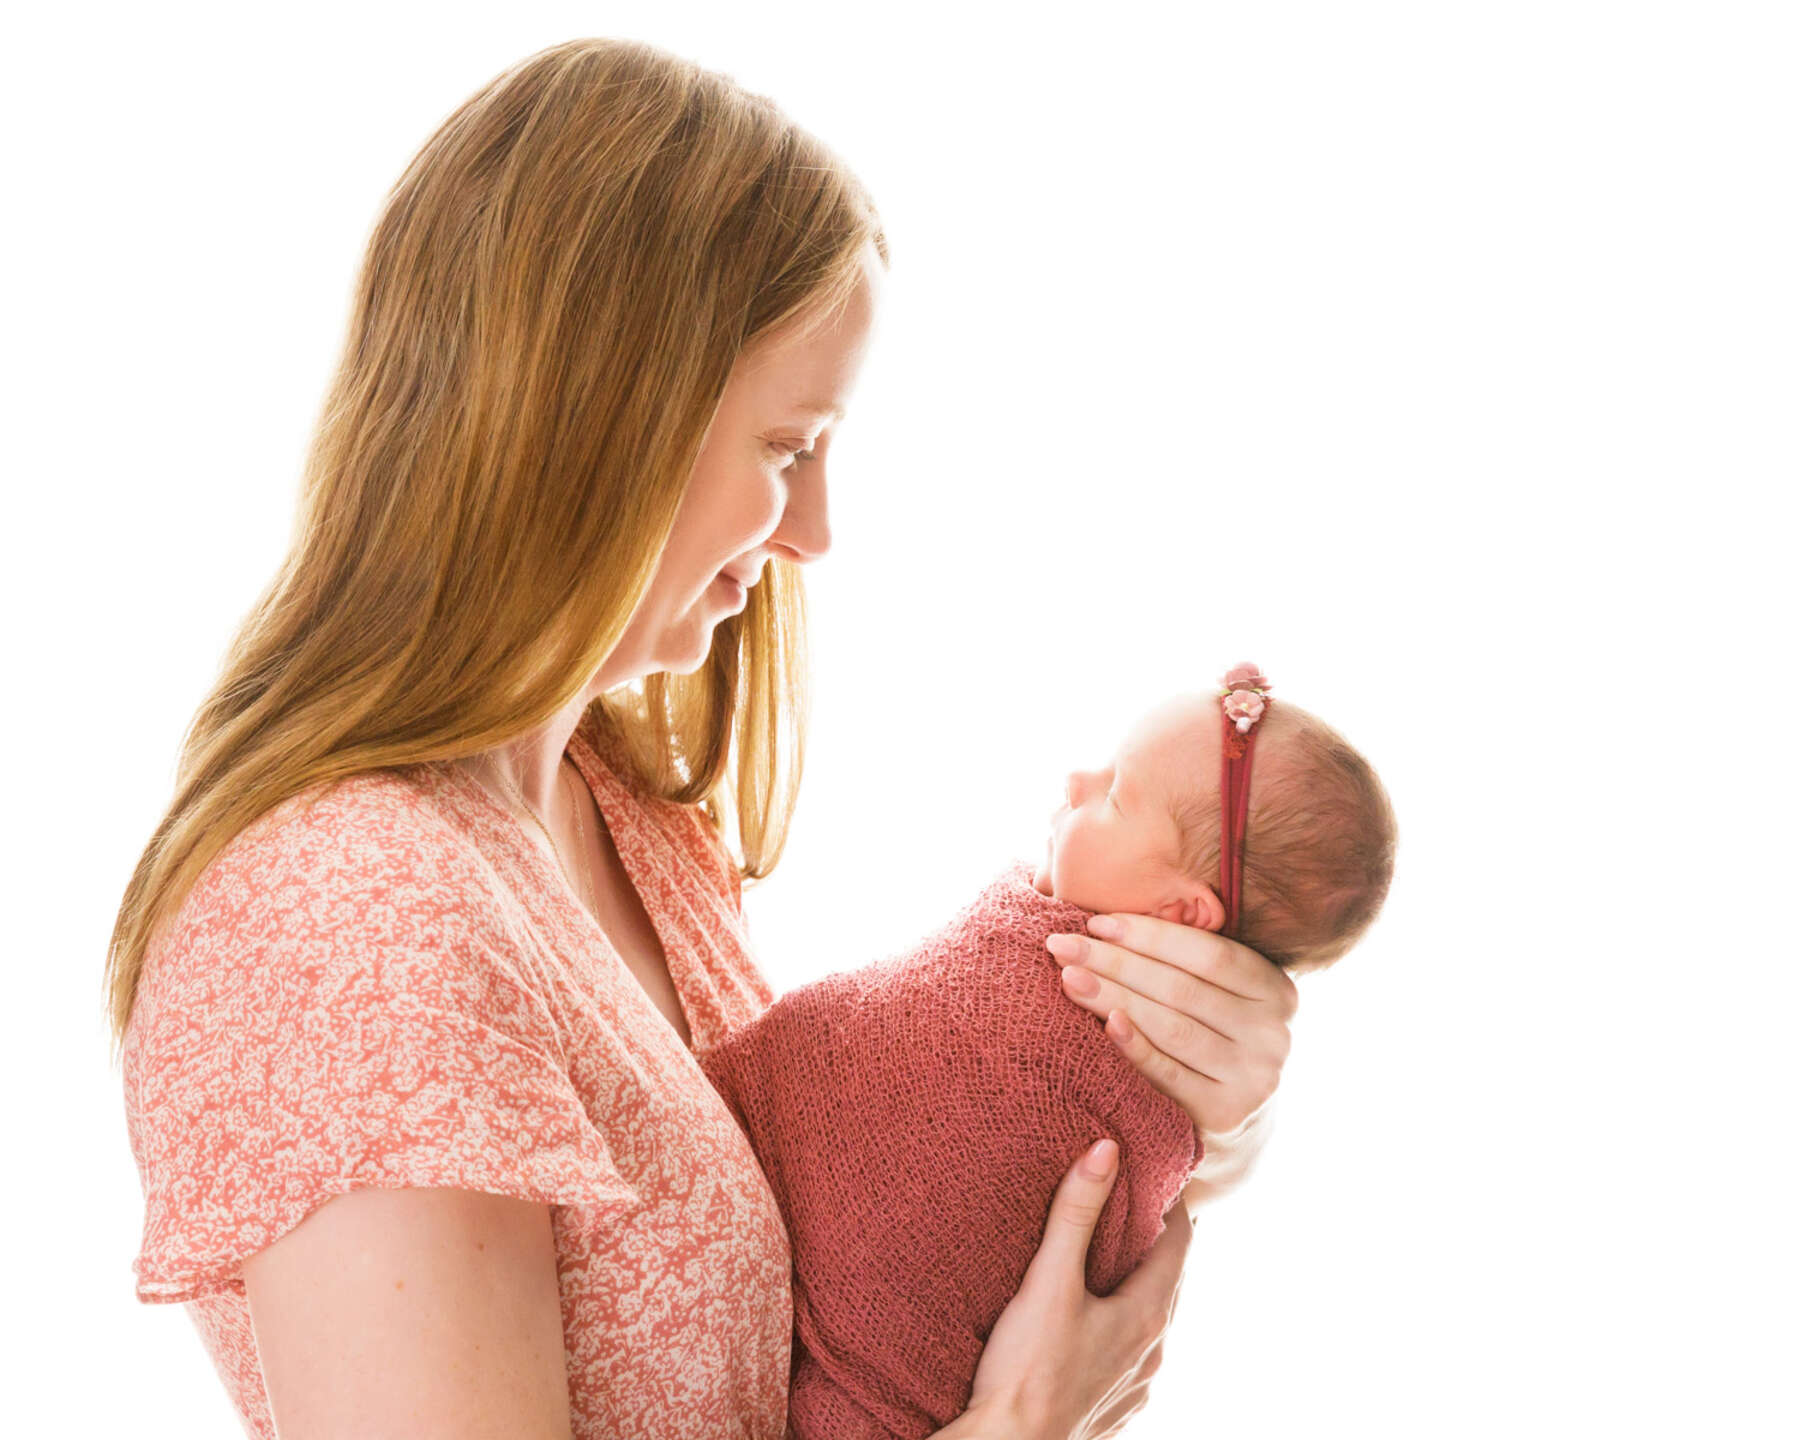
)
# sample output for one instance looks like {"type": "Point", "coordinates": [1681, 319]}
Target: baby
{"type": "Point", "coordinates": [1143, 835]}
{"type": "Point", "coordinates": [915, 1116]}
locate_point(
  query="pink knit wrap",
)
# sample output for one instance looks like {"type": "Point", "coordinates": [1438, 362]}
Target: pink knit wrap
{"type": "Point", "coordinates": [914, 1118]}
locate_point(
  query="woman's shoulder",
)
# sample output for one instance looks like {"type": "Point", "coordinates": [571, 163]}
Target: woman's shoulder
{"type": "Point", "coordinates": [364, 882]}
{"type": "Point", "coordinates": [372, 833]}
{"type": "Point", "coordinates": [344, 1000]}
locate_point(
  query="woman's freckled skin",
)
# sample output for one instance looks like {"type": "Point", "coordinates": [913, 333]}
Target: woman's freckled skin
{"type": "Point", "coordinates": [745, 503]}
{"type": "Point", "coordinates": [747, 500]}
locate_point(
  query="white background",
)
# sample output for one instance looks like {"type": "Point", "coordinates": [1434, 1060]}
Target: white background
{"type": "Point", "coordinates": [1439, 357]}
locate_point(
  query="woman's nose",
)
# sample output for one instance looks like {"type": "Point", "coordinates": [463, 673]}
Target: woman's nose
{"type": "Point", "coordinates": [805, 528]}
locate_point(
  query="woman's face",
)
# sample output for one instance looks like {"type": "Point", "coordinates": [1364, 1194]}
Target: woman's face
{"type": "Point", "coordinates": [751, 496]}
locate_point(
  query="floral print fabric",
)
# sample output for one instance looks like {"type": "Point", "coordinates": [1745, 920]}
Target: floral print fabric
{"type": "Point", "coordinates": [385, 982]}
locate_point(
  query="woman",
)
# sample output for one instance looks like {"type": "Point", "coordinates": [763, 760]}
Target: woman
{"type": "Point", "coordinates": [410, 980]}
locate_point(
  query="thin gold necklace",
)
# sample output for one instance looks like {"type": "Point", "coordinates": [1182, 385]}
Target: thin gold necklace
{"type": "Point", "coordinates": [581, 835]}
{"type": "Point", "coordinates": [561, 860]}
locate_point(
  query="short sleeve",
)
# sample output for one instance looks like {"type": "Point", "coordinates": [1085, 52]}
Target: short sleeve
{"type": "Point", "coordinates": [337, 1008]}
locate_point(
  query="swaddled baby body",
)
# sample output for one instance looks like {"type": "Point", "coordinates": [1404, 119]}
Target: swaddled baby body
{"type": "Point", "coordinates": [915, 1116]}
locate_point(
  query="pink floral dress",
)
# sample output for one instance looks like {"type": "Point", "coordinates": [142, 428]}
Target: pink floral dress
{"type": "Point", "coordinates": [385, 982]}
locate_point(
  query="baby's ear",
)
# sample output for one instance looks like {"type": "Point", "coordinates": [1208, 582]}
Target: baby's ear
{"type": "Point", "coordinates": [1196, 906]}
{"type": "Point", "coordinates": [1208, 907]}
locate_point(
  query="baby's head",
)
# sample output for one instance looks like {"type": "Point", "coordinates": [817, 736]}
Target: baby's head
{"type": "Point", "coordinates": [1142, 835]}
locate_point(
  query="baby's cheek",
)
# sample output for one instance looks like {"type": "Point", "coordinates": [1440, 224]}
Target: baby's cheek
{"type": "Point", "coordinates": [1084, 873]}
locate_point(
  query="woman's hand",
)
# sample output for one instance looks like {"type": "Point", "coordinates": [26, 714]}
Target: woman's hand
{"type": "Point", "coordinates": [1203, 1017]}
{"type": "Point", "coordinates": [1062, 1363]}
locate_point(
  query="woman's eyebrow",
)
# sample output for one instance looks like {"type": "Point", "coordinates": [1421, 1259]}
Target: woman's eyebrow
{"type": "Point", "coordinates": [817, 410]}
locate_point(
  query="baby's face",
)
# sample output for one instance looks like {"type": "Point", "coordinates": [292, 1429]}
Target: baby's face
{"type": "Point", "coordinates": [1113, 843]}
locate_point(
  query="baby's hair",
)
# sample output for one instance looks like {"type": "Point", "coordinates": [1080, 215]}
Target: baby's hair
{"type": "Point", "coordinates": [1318, 844]}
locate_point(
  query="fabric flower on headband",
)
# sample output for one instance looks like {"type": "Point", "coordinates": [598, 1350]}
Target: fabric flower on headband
{"type": "Point", "coordinates": [1245, 677]}
{"type": "Point", "coordinates": [1244, 692]}
{"type": "Point", "coordinates": [1243, 687]}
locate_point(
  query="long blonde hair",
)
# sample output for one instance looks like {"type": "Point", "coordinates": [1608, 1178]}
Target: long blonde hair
{"type": "Point", "coordinates": [548, 310]}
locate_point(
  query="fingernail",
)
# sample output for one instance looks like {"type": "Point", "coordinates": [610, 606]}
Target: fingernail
{"type": "Point", "coordinates": [1079, 981]}
{"type": "Point", "coordinates": [1099, 1160]}
{"type": "Point", "coordinates": [1064, 947]}
{"type": "Point", "coordinates": [1104, 926]}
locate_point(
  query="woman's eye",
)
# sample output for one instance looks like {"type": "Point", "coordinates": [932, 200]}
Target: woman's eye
{"type": "Point", "coordinates": [791, 451]}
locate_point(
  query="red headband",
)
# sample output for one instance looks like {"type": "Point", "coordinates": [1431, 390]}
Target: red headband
{"type": "Point", "coordinates": [1244, 698]}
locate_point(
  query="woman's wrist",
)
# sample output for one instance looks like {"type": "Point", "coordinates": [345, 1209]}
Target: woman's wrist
{"type": "Point", "coordinates": [1227, 1157]}
{"type": "Point", "coordinates": [979, 1423]}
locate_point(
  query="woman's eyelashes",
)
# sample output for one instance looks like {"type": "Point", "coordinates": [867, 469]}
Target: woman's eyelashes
{"type": "Point", "coordinates": [792, 451]}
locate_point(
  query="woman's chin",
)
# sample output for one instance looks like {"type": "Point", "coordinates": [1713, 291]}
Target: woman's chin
{"type": "Point", "coordinates": [688, 653]}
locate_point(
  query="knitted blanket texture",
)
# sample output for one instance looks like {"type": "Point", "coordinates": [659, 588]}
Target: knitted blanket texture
{"type": "Point", "coordinates": [914, 1118]}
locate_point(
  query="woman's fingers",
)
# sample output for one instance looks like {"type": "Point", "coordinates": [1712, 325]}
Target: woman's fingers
{"type": "Point", "coordinates": [1175, 1078]}
{"type": "Point", "coordinates": [1150, 1290]}
{"type": "Point", "coordinates": [1058, 1356]}
{"type": "Point", "coordinates": [1216, 1079]}
{"type": "Point", "coordinates": [1229, 970]}
{"type": "Point", "coordinates": [1203, 1018]}
{"type": "Point", "coordinates": [1220, 961]}
{"type": "Point", "coordinates": [1075, 1211]}
{"type": "Point", "coordinates": [1121, 977]}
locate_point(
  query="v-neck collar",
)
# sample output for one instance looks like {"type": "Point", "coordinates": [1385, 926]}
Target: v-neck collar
{"type": "Point", "coordinates": [617, 807]}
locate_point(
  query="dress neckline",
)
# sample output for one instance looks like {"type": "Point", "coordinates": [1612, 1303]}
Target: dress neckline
{"type": "Point", "coordinates": [613, 800]}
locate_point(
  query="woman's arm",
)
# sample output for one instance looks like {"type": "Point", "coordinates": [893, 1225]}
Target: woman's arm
{"type": "Point", "coordinates": [966, 1426]}
{"type": "Point", "coordinates": [389, 1313]}
{"type": "Point", "coordinates": [1228, 1158]}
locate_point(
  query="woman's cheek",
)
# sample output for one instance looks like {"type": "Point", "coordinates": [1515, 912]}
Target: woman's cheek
{"type": "Point", "coordinates": [774, 497]}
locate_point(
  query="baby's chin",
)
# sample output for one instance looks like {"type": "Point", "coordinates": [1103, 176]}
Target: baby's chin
{"type": "Point", "coordinates": [1044, 882]}
{"type": "Point", "coordinates": [1085, 889]}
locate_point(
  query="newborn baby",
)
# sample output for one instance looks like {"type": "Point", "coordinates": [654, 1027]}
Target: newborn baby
{"type": "Point", "coordinates": [1144, 834]}
{"type": "Point", "coordinates": [915, 1116]}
